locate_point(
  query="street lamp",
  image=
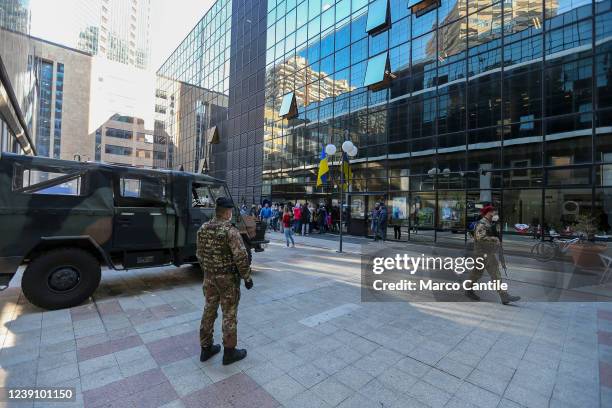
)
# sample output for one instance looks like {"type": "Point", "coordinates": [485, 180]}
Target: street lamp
{"type": "Point", "coordinates": [351, 150]}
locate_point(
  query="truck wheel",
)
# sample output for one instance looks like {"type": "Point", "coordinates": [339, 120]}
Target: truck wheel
{"type": "Point", "coordinates": [61, 278]}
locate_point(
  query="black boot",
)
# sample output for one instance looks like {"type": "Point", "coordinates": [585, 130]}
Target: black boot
{"type": "Point", "coordinates": [472, 295]}
{"type": "Point", "coordinates": [509, 298]}
{"type": "Point", "coordinates": [208, 352]}
{"type": "Point", "coordinates": [231, 355]}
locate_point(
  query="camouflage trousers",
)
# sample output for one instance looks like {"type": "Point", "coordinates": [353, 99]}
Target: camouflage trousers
{"type": "Point", "coordinates": [224, 290]}
{"type": "Point", "coordinates": [492, 268]}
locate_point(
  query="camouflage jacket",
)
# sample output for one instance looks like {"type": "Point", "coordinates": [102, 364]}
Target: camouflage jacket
{"type": "Point", "coordinates": [221, 249]}
{"type": "Point", "coordinates": [484, 237]}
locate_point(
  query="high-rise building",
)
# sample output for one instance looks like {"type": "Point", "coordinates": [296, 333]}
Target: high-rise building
{"type": "Point", "coordinates": [17, 78]}
{"type": "Point", "coordinates": [118, 30]}
{"type": "Point", "coordinates": [192, 104]}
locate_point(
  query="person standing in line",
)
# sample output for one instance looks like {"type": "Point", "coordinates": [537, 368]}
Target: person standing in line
{"type": "Point", "coordinates": [305, 219]}
{"type": "Point", "coordinates": [322, 218]}
{"type": "Point", "coordinates": [297, 218]}
{"type": "Point", "coordinates": [266, 215]}
{"type": "Point", "coordinates": [287, 227]}
{"type": "Point", "coordinates": [313, 216]}
{"type": "Point", "coordinates": [275, 217]}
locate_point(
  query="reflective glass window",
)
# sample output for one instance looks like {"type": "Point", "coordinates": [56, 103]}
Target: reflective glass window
{"type": "Point", "coordinates": [375, 71]}
{"type": "Point", "coordinates": [378, 16]}
{"type": "Point", "coordinates": [422, 7]}
{"type": "Point", "coordinates": [288, 107]}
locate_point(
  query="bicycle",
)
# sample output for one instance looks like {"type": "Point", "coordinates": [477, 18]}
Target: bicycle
{"type": "Point", "coordinates": [545, 251]}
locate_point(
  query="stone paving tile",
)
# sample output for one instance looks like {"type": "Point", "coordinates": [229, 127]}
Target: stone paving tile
{"type": "Point", "coordinates": [605, 374]}
{"type": "Point", "coordinates": [238, 390]}
{"type": "Point", "coordinates": [122, 388]}
{"type": "Point", "coordinates": [264, 373]}
{"type": "Point", "coordinates": [283, 388]}
{"type": "Point", "coordinates": [107, 347]}
{"type": "Point", "coordinates": [332, 391]}
{"type": "Point", "coordinates": [306, 399]}
{"type": "Point", "coordinates": [97, 364]}
{"type": "Point", "coordinates": [57, 375]}
{"type": "Point", "coordinates": [308, 375]}
{"type": "Point", "coordinates": [429, 395]}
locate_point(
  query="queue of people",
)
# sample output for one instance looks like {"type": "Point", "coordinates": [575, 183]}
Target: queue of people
{"type": "Point", "coordinates": [305, 218]}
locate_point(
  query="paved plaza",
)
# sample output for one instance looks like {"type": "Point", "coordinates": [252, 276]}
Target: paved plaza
{"type": "Point", "coordinates": [311, 343]}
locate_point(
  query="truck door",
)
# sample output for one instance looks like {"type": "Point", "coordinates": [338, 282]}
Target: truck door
{"type": "Point", "coordinates": [143, 217]}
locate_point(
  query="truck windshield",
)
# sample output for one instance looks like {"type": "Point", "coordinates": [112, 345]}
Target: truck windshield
{"type": "Point", "coordinates": [205, 195]}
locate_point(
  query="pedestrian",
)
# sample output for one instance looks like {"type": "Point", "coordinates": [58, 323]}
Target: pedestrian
{"type": "Point", "coordinates": [313, 217]}
{"type": "Point", "coordinates": [275, 217]}
{"type": "Point", "coordinates": [374, 221]}
{"type": "Point", "coordinates": [305, 219]}
{"type": "Point", "coordinates": [322, 218]}
{"type": "Point", "coordinates": [382, 221]}
{"type": "Point", "coordinates": [297, 218]}
{"type": "Point", "coordinates": [486, 246]}
{"type": "Point", "coordinates": [397, 223]}
{"type": "Point", "coordinates": [224, 261]}
{"type": "Point", "coordinates": [266, 214]}
{"type": "Point", "coordinates": [287, 227]}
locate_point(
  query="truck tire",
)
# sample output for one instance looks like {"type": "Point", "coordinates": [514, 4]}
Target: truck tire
{"type": "Point", "coordinates": [61, 278]}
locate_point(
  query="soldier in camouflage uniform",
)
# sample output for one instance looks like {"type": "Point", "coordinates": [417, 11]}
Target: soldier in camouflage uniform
{"type": "Point", "coordinates": [224, 260]}
{"type": "Point", "coordinates": [486, 245]}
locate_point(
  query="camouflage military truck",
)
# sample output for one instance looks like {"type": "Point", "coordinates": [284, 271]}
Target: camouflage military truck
{"type": "Point", "coordinates": [65, 220]}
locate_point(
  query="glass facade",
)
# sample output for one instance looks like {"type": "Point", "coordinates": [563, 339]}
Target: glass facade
{"type": "Point", "coordinates": [452, 104]}
{"type": "Point", "coordinates": [504, 102]}
{"type": "Point", "coordinates": [49, 110]}
{"type": "Point", "coordinates": [192, 91]}
{"type": "Point", "coordinates": [43, 128]}
{"type": "Point", "coordinates": [59, 100]}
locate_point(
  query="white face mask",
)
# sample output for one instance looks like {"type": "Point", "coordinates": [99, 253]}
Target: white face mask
{"type": "Point", "coordinates": [495, 218]}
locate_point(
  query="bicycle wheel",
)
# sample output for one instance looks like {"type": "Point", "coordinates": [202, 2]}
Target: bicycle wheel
{"type": "Point", "coordinates": [543, 251]}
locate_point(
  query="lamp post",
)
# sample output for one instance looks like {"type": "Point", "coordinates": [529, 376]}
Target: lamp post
{"type": "Point", "coordinates": [351, 150]}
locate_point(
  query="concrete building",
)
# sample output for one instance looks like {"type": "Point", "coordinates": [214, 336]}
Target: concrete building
{"type": "Point", "coordinates": [124, 140]}
{"type": "Point", "coordinates": [62, 114]}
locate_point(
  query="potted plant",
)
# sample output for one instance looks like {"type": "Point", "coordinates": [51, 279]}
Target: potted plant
{"type": "Point", "coordinates": [585, 253]}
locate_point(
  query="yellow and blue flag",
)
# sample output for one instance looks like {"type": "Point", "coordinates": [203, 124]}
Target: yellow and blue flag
{"type": "Point", "coordinates": [346, 169]}
{"type": "Point", "coordinates": [323, 169]}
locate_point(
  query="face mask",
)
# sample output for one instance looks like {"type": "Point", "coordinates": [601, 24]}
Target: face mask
{"type": "Point", "coordinates": [495, 218]}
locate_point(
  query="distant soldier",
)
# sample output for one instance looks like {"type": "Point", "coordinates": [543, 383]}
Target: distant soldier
{"type": "Point", "coordinates": [224, 260]}
{"type": "Point", "coordinates": [486, 245]}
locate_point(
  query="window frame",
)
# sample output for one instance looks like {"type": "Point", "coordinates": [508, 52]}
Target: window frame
{"type": "Point", "coordinates": [375, 22]}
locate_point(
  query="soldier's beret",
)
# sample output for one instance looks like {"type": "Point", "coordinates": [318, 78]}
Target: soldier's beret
{"type": "Point", "coordinates": [224, 202]}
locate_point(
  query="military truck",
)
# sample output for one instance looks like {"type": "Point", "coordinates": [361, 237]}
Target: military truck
{"type": "Point", "coordinates": [64, 220]}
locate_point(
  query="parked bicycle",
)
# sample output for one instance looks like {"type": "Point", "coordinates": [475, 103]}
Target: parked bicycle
{"type": "Point", "coordinates": [545, 251]}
